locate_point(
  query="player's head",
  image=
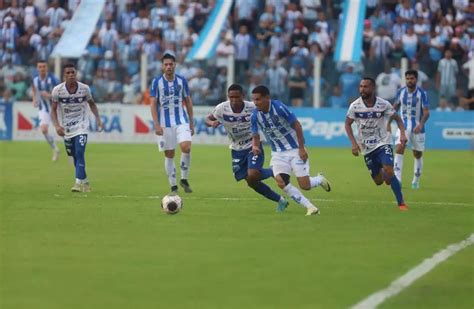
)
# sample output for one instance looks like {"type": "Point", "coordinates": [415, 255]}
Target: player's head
{"type": "Point", "coordinates": [168, 63]}
{"type": "Point", "coordinates": [69, 72]}
{"type": "Point", "coordinates": [411, 77]}
{"type": "Point", "coordinates": [367, 87]}
{"type": "Point", "coordinates": [235, 94]}
{"type": "Point", "coordinates": [261, 97]}
{"type": "Point", "coordinates": [42, 67]}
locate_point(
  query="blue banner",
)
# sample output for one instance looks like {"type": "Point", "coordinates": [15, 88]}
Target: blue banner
{"type": "Point", "coordinates": [444, 130]}
{"type": "Point", "coordinates": [6, 120]}
{"type": "Point", "coordinates": [351, 28]}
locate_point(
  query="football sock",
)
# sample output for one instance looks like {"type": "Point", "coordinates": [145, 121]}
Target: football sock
{"type": "Point", "coordinates": [266, 191]}
{"type": "Point", "coordinates": [50, 139]}
{"type": "Point", "coordinates": [297, 196]}
{"type": "Point", "coordinates": [397, 189]}
{"type": "Point", "coordinates": [398, 166]}
{"type": "Point", "coordinates": [315, 181]}
{"type": "Point", "coordinates": [185, 162]}
{"type": "Point", "coordinates": [170, 171]}
{"type": "Point", "coordinates": [80, 163]}
{"type": "Point", "coordinates": [417, 169]}
{"type": "Point", "coordinates": [266, 173]}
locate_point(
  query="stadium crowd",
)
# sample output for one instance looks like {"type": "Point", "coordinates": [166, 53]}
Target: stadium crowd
{"type": "Point", "coordinates": [274, 42]}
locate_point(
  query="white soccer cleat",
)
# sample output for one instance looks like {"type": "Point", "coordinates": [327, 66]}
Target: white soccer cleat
{"type": "Point", "coordinates": [55, 155]}
{"type": "Point", "coordinates": [76, 188]}
{"type": "Point", "coordinates": [313, 210]}
{"type": "Point", "coordinates": [86, 187]}
{"type": "Point", "coordinates": [325, 184]}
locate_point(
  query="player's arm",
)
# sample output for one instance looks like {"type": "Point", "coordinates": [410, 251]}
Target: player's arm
{"type": "Point", "coordinates": [95, 111]}
{"type": "Point", "coordinates": [189, 107]}
{"type": "Point", "coordinates": [296, 125]}
{"type": "Point", "coordinates": [255, 136]}
{"type": "Point", "coordinates": [426, 114]}
{"type": "Point", "coordinates": [401, 126]}
{"type": "Point", "coordinates": [33, 93]}
{"type": "Point", "coordinates": [212, 121]}
{"type": "Point", "coordinates": [154, 114]}
{"type": "Point", "coordinates": [54, 118]}
{"type": "Point", "coordinates": [350, 134]}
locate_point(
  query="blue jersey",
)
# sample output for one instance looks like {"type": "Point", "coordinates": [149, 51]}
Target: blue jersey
{"type": "Point", "coordinates": [411, 107]}
{"type": "Point", "coordinates": [170, 96]}
{"type": "Point", "coordinates": [47, 84]}
{"type": "Point", "coordinates": [276, 125]}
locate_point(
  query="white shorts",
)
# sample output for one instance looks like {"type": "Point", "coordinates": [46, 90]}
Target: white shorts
{"type": "Point", "coordinates": [287, 162]}
{"type": "Point", "coordinates": [173, 136]}
{"type": "Point", "coordinates": [417, 140]}
{"type": "Point", "coordinates": [44, 117]}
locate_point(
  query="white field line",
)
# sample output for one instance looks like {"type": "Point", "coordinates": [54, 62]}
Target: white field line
{"type": "Point", "coordinates": [257, 199]}
{"type": "Point", "coordinates": [412, 275]}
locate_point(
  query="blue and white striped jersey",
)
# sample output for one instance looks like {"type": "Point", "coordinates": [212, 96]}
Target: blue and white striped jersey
{"type": "Point", "coordinates": [74, 108]}
{"type": "Point", "coordinates": [170, 97]}
{"type": "Point", "coordinates": [276, 126]}
{"type": "Point", "coordinates": [47, 84]}
{"type": "Point", "coordinates": [411, 107]}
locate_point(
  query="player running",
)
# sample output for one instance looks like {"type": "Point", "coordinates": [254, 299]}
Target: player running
{"type": "Point", "coordinates": [285, 135]}
{"type": "Point", "coordinates": [73, 97]}
{"type": "Point", "coordinates": [234, 114]}
{"type": "Point", "coordinates": [41, 87]}
{"type": "Point", "coordinates": [371, 114]}
{"type": "Point", "coordinates": [173, 123]}
{"type": "Point", "coordinates": [415, 111]}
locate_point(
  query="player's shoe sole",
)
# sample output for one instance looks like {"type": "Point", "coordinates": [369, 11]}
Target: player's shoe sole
{"type": "Point", "coordinates": [415, 185]}
{"type": "Point", "coordinates": [76, 188]}
{"type": "Point", "coordinates": [186, 186]}
{"type": "Point", "coordinates": [325, 184]}
{"type": "Point", "coordinates": [282, 205]}
{"type": "Point", "coordinates": [312, 211]}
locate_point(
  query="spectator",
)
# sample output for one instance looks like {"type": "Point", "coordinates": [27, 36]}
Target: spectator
{"type": "Point", "coordinates": [468, 68]}
{"type": "Point", "coordinates": [297, 86]}
{"type": "Point", "coordinates": [276, 79]}
{"type": "Point", "coordinates": [467, 102]}
{"type": "Point", "coordinates": [443, 105]}
{"type": "Point", "coordinates": [242, 43]}
{"type": "Point", "coordinates": [349, 83]}
{"type": "Point", "coordinates": [108, 36]}
{"type": "Point", "coordinates": [141, 22]}
{"type": "Point", "coordinates": [85, 66]}
{"type": "Point", "coordinates": [446, 76]}
{"type": "Point", "coordinates": [224, 50]}
{"type": "Point", "coordinates": [337, 100]}
{"type": "Point", "coordinates": [321, 38]}
{"type": "Point", "coordinates": [277, 44]}
{"type": "Point", "coordinates": [56, 14]}
{"type": "Point", "coordinates": [387, 84]}
{"type": "Point", "coordinates": [199, 87]}
{"type": "Point", "coordinates": [380, 49]}
{"type": "Point", "coordinates": [125, 19]}
{"type": "Point", "coordinates": [410, 44]}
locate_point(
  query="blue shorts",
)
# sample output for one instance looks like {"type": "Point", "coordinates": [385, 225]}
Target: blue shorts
{"type": "Point", "coordinates": [75, 144]}
{"type": "Point", "coordinates": [377, 158]}
{"type": "Point", "coordinates": [243, 160]}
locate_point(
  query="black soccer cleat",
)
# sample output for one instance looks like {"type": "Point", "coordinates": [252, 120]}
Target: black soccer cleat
{"type": "Point", "coordinates": [174, 190]}
{"type": "Point", "coordinates": [185, 184]}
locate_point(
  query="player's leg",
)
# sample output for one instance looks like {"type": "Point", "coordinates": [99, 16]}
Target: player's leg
{"type": "Point", "coordinates": [183, 136]}
{"type": "Point", "coordinates": [385, 157]}
{"type": "Point", "coordinates": [305, 181]}
{"type": "Point", "coordinates": [374, 167]}
{"type": "Point", "coordinates": [167, 143]}
{"type": "Point", "coordinates": [80, 143]}
{"type": "Point", "coordinates": [282, 169]}
{"type": "Point", "coordinates": [399, 151]}
{"type": "Point", "coordinates": [254, 177]}
{"type": "Point", "coordinates": [70, 150]}
{"type": "Point", "coordinates": [418, 148]}
{"type": "Point", "coordinates": [45, 120]}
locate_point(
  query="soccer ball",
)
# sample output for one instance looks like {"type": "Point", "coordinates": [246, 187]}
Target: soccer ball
{"type": "Point", "coordinates": [171, 204]}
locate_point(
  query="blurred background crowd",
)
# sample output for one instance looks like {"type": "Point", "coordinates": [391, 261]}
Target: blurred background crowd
{"type": "Point", "coordinates": [274, 42]}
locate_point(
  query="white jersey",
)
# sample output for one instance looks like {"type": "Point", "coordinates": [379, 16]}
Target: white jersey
{"type": "Point", "coordinates": [74, 108]}
{"type": "Point", "coordinates": [237, 125]}
{"type": "Point", "coordinates": [371, 123]}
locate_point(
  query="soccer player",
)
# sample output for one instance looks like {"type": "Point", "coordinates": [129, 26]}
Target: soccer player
{"type": "Point", "coordinates": [285, 135]}
{"type": "Point", "coordinates": [173, 123]}
{"type": "Point", "coordinates": [372, 114]}
{"type": "Point", "coordinates": [72, 97]}
{"type": "Point", "coordinates": [234, 114]}
{"type": "Point", "coordinates": [42, 86]}
{"type": "Point", "coordinates": [415, 111]}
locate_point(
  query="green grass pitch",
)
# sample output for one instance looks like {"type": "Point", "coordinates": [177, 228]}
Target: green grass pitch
{"type": "Point", "coordinates": [228, 248]}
